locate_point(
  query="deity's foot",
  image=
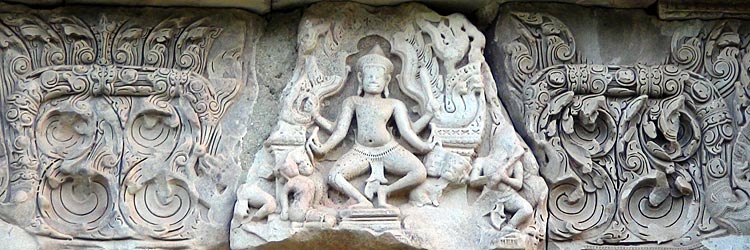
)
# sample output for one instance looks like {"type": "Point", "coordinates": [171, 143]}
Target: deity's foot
{"type": "Point", "coordinates": [313, 215]}
{"type": "Point", "coordinates": [257, 217]}
{"type": "Point", "coordinates": [382, 197]}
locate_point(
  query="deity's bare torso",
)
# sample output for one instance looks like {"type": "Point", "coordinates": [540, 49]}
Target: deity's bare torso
{"type": "Point", "coordinates": [372, 117]}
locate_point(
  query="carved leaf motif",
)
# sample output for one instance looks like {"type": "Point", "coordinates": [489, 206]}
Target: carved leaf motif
{"type": "Point", "coordinates": [558, 103]}
{"type": "Point", "coordinates": [722, 64]}
{"type": "Point", "coordinates": [688, 53]}
{"type": "Point", "coordinates": [713, 53]}
{"type": "Point", "coordinates": [79, 37]}
{"type": "Point", "coordinates": [580, 155]}
{"type": "Point", "coordinates": [630, 116]}
{"type": "Point", "coordinates": [160, 42]}
{"type": "Point", "coordinates": [191, 49]}
{"type": "Point", "coordinates": [567, 122]}
{"type": "Point", "coordinates": [521, 59]}
{"type": "Point", "coordinates": [669, 122]}
{"type": "Point", "coordinates": [129, 42]}
{"type": "Point", "coordinates": [42, 43]}
{"type": "Point", "coordinates": [543, 41]}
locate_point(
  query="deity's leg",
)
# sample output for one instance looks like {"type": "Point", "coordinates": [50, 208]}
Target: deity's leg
{"type": "Point", "coordinates": [348, 167]}
{"type": "Point", "coordinates": [402, 162]}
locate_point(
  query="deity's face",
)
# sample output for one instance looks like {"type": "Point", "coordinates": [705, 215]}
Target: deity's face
{"type": "Point", "coordinates": [374, 79]}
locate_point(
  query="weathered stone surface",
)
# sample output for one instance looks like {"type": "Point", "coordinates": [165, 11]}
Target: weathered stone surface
{"type": "Point", "coordinates": [473, 176]}
{"type": "Point", "coordinates": [462, 6]}
{"type": "Point", "coordinates": [690, 9]}
{"type": "Point", "coordinates": [599, 3]}
{"type": "Point", "coordinates": [121, 128]}
{"type": "Point", "coordinates": [266, 6]}
{"type": "Point", "coordinates": [468, 6]}
{"type": "Point", "coordinates": [257, 6]}
{"type": "Point", "coordinates": [642, 123]}
{"type": "Point", "coordinates": [43, 3]}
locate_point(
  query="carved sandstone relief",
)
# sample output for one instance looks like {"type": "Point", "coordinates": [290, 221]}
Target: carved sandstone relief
{"type": "Point", "coordinates": [636, 156]}
{"type": "Point", "coordinates": [391, 126]}
{"type": "Point", "coordinates": [113, 124]}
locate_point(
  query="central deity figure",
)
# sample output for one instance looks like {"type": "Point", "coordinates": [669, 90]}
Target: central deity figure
{"type": "Point", "coordinates": [375, 148]}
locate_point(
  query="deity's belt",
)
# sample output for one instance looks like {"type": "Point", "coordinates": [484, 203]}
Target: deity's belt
{"type": "Point", "coordinates": [374, 156]}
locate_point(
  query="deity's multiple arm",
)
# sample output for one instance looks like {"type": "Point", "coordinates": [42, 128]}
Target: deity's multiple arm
{"type": "Point", "coordinates": [404, 127]}
{"type": "Point", "coordinates": [339, 130]}
{"type": "Point", "coordinates": [422, 122]}
{"type": "Point", "coordinates": [326, 124]}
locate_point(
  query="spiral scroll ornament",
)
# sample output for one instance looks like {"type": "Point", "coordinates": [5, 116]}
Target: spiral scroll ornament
{"type": "Point", "coordinates": [76, 205]}
{"type": "Point", "coordinates": [585, 215]}
{"type": "Point", "coordinates": [161, 208]}
{"type": "Point", "coordinates": [656, 220]}
{"type": "Point", "coordinates": [65, 135]}
{"type": "Point", "coordinates": [152, 133]}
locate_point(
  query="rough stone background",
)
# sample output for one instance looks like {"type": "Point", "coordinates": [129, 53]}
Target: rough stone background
{"type": "Point", "coordinates": [277, 54]}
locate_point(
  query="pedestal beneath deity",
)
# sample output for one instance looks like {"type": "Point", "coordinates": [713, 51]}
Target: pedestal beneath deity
{"type": "Point", "coordinates": [375, 219]}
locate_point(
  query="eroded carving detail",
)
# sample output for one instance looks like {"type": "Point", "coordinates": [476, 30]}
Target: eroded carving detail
{"type": "Point", "coordinates": [442, 101]}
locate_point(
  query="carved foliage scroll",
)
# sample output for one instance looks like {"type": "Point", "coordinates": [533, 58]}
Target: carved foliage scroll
{"type": "Point", "coordinates": [635, 154]}
{"type": "Point", "coordinates": [719, 51]}
{"type": "Point", "coordinates": [633, 151]}
{"type": "Point", "coordinates": [113, 125]}
{"type": "Point", "coordinates": [543, 41]}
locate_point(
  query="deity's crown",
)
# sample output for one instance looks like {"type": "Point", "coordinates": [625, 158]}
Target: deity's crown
{"type": "Point", "coordinates": [375, 57]}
